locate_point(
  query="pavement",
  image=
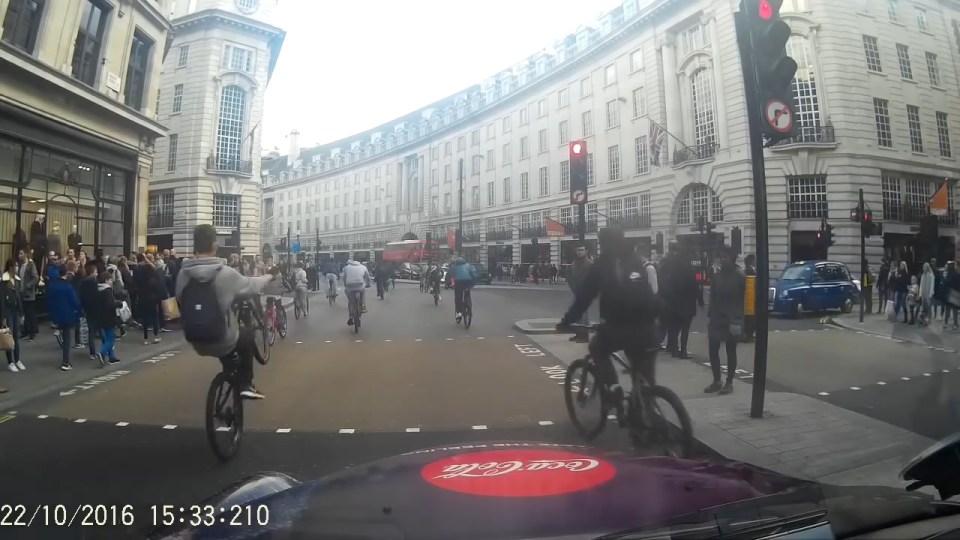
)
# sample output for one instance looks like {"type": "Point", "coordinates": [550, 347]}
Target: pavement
{"type": "Point", "coordinates": [412, 378]}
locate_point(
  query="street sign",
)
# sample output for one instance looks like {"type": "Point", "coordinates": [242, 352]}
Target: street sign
{"type": "Point", "coordinates": [296, 247]}
{"type": "Point", "coordinates": [779, 116]}
{"type": "Point", "coordinates": [578, 196]}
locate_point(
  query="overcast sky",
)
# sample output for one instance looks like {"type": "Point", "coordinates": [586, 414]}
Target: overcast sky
{"type": "Point", "coordinates": [347, 66]}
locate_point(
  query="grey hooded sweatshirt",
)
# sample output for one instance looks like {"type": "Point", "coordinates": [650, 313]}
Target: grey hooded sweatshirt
{"type": "Point", "coordinates": [229, 286]}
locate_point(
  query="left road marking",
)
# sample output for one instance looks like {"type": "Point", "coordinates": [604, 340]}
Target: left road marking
{"type": "Point", "coordinates": [347, 430]}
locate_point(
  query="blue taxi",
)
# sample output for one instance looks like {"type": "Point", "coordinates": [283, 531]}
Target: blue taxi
{"type": "Point", "coordinates": [813, 286]}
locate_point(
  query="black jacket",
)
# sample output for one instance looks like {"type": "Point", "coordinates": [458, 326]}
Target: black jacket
{"type": "Point", "coordinates": [87, 291]}
{"type": "Point", "coordinates": [602, 280]}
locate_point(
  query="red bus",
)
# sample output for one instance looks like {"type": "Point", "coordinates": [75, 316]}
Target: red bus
{"type": "Point", "coordinates": [411, 251]}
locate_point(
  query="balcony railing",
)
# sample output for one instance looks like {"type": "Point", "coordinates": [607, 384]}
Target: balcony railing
{"type": "Point", "coordinates": [499, 235]}
{"type": "Point", "coordinates": [631, 222]}
{"type": "Point", "coordinates": [377, 244]}
{"type": "Point", "coordinates": [911, 213]}
{"type": "Point", "coordinates": [533, 232]}
{"type": "Point", "coordinates": [341, 247]}
{"type": "Point", "coordinates": [229, 164]}
{"type": "Point", "coordinates": [692, 153]}
{"type": "Point", "coordinates": [471, 236]}
{"type": "Point", "coordinates": [159, 221]}
{"type": "Point", "coordinates": [810, 135]}
{"type": "Point", "coordinates": [593, 226]}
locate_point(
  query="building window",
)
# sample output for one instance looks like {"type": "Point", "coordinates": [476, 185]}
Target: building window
{"type": "Point", "coordinates": [475, 165]}
{"type": "Point", "coordinates": [447, 149]}
{"type": "Point", "coordinates": [587, 120]}
{"type": "Point", "coordinates": [892, 9]}
{"type": "Point", "coordinates": [86, 49]}
{"type": "Point", "coordinates": [692, 39]}
{"type": "Point", "coordinates": [172, 141]}
{"type": "Point", "coordinates": [701, 85]}
{"type": "Point", "coordinates": [613, 158]}
{"type": "Point", "coordinates": [177, 97]}
{"type": "Point", "coordinates": [613, 114]}
{"type": "Point", "coordinates": [137, 64]}
{"type": "Point", "coordinates": [639, 102]}
{"type": "Point", "coordinates": [524, 150]}
{"type": "Point", "coordinates": [881, 114]}
{"type": "Point", "coordinates": [491, 193]}
{"type": "Point", "coordinates": [564, 176]}
{"type": "Point", "coordinates": [591, 177]}
{"type": "Point", "coordinates": [21, 24]}
{"type": "Point", "coordinates": [585, 87]}
{"type": "Point", "coordinates": [903, 56]}
{"type": "Point", "coordinates": [461, 143]}
{"type": "Point", "coordinates": [872, 52]}
{"type": "Point", "coordinates": [642, 158]}
{"type": "Point", "coordinates": [610, 75]}
{"type": "Point", "coordinates": [562, 98]}
{"type": "Point", "coordinates": [933, 69]}
{"type": "Point", "coordinates": [807, 196]}
{"type": "Point", "coordinates": [475, 197]}
{"type": "Point", "coordinates": [506, 190]}
{"type": "Point", "coordinates": [491, 132]}
{"type": "Point", "coordinates": [943, 134]}
{"type": "Point", "coordinates": [446, 174]}
{"type": "Point", "coordinates": [913, 123]}
{"type": "Point", "coordinates": [233, 104]}
{"type": "Point", "coordinates": [506, 154]}
{"type": "Point", "coordinates": [544, 182]}
{"type": "Point", "coordinates": [184, 56]}
{"type": "Point", "coordinates": [524, 117]}
{"type": "Point", "coordinates": [491, 160]}
{"type": "Point", "coordinates": [524, 186]}
{"type": "Point", "coordinates": [921, 19]}
{"type": "Point", "coordinates": [237, 58]}
{"type": "Point", "coordinates": [475, 137]}
{"type": "Point", "coordinates": [160, 207]}
{"type": "Point", "coordinates": [542, 108]}
{"type": "Point", "coordinates": [636, 60]}
{"type": "Point", "coordinates": [226, 210]}
{"type": "Point", "coordinates": [804, 84]}
{"type": "Point", "coordinates": [434, 177]}
{"type": "Point", "coordinates": [543, 141]}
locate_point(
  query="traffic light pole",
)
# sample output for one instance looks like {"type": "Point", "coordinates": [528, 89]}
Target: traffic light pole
{"type": "Point", "coordinates": [760, 216]}
{"type": "Point", "coordinates": [289, 248]}
{"type": "Point", "coordinates": [460, 218]}
{"type": "Point", "coordinates": [863, 256]}
{"type": "Point", "coordinates": [582, 221]}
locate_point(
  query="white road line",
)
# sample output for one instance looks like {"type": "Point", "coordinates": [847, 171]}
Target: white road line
{"type": "Point", "coordinates": [11, 412]}
{"type": "Point", "coordinates": [854, 387]}
{"type": "Point", "coordinates": [42, 416]}
{"type": "Point", "coordinates": [413, 430]}
{"type": "Point", "coordinates": [930, 347]}
{"type": "Point", "coordinates": [926, 374]}
{"type": "Point", "coordinates": [480, 427]}
{"type": "Point", "coordinates": [824, 393]}
{"type": "Point", "coordinates": [418, 339]}
{"type": "Point", "coordinates": [449, 339]}
{"type": "Point", "coordinates": [223, 428]}
{"type": "Point", "coordinates": [904, 378]}
{"type": "Point", "coordinates": [79, 420]}
{"type": "Point", "coordinates": [122, 424]}
{"type": "Point", "coordinates": [611, 417]}
{"type": "Point", "coordinates": [299, 343]}
{"type": "Point", "coordinates": [283, 430]}
{"type": "Point", "coordinates": [329, 341]}
{"type": "Point", "coordinates": [881, 383]}
{"type": "Point", "coordinates": [388, 340]}
{"type": "Point", "coordinates": [481, 338]}
{"type": "Point", "coordinates": [347, 430]}
{"type": "Point", "coordinates": [358, 341]}
{"type": "Point", "coordinates": [509, 336]}
{"type": "Point", "coordinates": [170, 426]}
{"type": "Point", "coordinates": [546, 423]}
{"type": "Point", "coordinates": [945, 370]}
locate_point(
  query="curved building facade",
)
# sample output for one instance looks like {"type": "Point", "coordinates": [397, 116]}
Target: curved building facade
{"type": "Point", "coordinates": [655, 89]}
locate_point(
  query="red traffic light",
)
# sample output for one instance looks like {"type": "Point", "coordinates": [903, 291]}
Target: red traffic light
{"type": "Point", "coordinates": [576, 148]}
{"type": "Point", "coordinates": [766, 11]}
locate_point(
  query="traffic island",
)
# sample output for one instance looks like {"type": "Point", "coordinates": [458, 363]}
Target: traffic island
{"type": "Point", "coordinates": [537, 326]}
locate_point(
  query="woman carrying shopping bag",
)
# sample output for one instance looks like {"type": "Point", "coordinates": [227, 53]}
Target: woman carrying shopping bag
{"type": "Point", "coordinates": [11, 309]}
{"type": "Point", "coordinates": [106, 317]}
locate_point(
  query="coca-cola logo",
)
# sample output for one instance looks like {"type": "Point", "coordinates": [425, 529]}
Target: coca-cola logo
{"type": "Point", "coordinates": [518, 473]}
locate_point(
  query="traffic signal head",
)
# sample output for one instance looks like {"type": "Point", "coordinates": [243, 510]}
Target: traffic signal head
{"type": "Point", "coordinates": [772, 68]}
{"type": "Point", "coordinates": [577, 148]}
{"type": "Point", "coordinates": [829, 236]}
{"type": "Point", "coordinates": [579, 172]}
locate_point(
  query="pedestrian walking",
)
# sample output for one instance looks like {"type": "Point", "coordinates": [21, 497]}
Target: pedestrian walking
{"type": "Point", "coordinates": [87, 291]}
{"type": "Point", "coordinates": [148, 298]}
{"type": "Point", "coordinates": [104, 316]}
{"type": "Point", "coordinates": [928, 282]}
{"type": "Point", "coordinates": [725, 318]}
{"type": "Point", "coordinates": [901, 282]}
{"type": "Point", "coordinates": [913, 299]}
{"type": "Point", "coordinates": [29, 282]}
{"type": "Point", "coordinates": [11, 309]}
{"type": "Point", "coordinates": [684, 296]}
{"type": "Point", "coordinates": [578, 272]}
{"type": "Point", "coordinates": [63, 306]}
{"type": "Point", "coordinates": [952, 284]}
{"type": "Point", "coordinates": [882, 280]}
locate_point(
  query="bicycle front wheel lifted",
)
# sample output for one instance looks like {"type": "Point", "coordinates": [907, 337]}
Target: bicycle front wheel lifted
{"type": "Point", "coordinates": [224, 417]}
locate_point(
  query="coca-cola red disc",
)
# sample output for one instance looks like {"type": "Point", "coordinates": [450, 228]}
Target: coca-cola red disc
{"type": "Point", "coordinates": [518, 473]}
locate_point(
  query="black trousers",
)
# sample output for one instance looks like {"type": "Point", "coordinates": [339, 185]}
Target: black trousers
{"type": "Point", "coordinates": [30, 318]}
{"type": "Point", "coordinates": [731, 346]}
{"type": "Point", "coordinates": [638, 344]}
{"type": "Point", "coordinates": [678, 332]}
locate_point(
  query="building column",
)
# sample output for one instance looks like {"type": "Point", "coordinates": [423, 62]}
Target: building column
{"type": "Point", "coordinates": [671, 94]}
{"type": "Point", "coordinates": [719, 90]}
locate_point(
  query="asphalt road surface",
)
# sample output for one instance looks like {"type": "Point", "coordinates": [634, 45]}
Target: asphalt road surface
{"type": "Point", "coordinates": [410, 379]}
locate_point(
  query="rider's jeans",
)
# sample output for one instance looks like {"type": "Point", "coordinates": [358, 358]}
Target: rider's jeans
{"type": "Point", "coordinates": [458, 294]}
{"type": "Point", "coordinates": [638, 343]}
{"type": "Point", "coordinates": [244, 363]}
{"type": "Point", "coordinates": [302, 296]}
{"type": "Point", "coordinates": [359, 292]}
{"type": "Point", "coordinates": [332, 283]}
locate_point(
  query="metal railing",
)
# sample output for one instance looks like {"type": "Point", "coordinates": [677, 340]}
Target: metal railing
{"type": "Point", "coordinates": [229, 164]}
{"type": "Point", "coordinates": [157, 221]}
{"type": "Point", "coordinates": [810, 135]}
{"type": "Point", "coordinates": [691, 153]}
{"type": "Point", "coordinates": [911, 213]}
{"type": "Point", "coordinates": [635, 221]}
{"type": "Point", "coordinates": [499, 235]}
{"type": "Point", "coordinates": [533, 232]}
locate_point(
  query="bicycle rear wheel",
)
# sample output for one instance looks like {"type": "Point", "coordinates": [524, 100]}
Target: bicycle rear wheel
{"type": "Point", "coordinates": [670, 434]}
{"type": "Point", "coordinates": [281, 322]}
{"type": "Point", "coordinates": [581, 391]}
{"type": "Point", "coordinates": [224, 417]}
{"type": "Point", "coordinates": [467, 311]}
{"type": "Point", "coordinates": [261, 343]}
{"type": "Point", "coordinates": [296, 309]}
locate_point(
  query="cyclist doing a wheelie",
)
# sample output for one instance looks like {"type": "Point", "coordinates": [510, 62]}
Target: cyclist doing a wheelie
{"type": "Point", "coordinates": [464, 277]}
{"type": "Point", "coordinates": [299, 282]}
{"type": "Point", "coordinates": [356, 278]}
{"type": "Point", "coordinates": [626, 287]}
{"type": "Point", "coordinates": [207, 289]}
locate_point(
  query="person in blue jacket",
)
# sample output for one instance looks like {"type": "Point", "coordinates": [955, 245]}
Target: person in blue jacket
{"type": "Point", "coordinates": [63, 305]}
{"type": "Point", "coordinates": [464, 277]}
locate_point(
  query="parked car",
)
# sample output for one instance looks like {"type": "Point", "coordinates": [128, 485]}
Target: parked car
{"type": "Point", "coordinates": [813, 286]}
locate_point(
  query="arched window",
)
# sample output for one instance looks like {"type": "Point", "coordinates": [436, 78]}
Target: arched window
{"type": "Point", "coordinates": [701, 90]}
{"type": "Point", "coordinates": [233, 106]}
{"type": "Point", "coordinates": [698, 200]}
{"type": "Point", "coordinates": [804, 85]}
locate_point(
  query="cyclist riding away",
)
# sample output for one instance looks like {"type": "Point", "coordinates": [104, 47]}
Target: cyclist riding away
{"type": "Point", "coordinates": [434, 277]}
{"type": "Point", "coordinates": [330, 271]}
{"type": "Point", "coordinates": [299, 282]}
{"type": "Point", "coordinates": [382, 277]}
{"type": "Point", "coordinates": [628, 309]}
{"type": "Point", "coordinates": [464, 277]}
{"type": "Point", "coordinates": [207, 289]}
{"type": "Point", "coordinates": [356, 278]}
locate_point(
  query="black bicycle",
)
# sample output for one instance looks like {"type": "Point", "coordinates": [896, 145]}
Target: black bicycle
{"type": "Point", "coordinates": [435, 289]}
{"type": "Point", "coordinates": [638, 409]}
{"type": "Point", "coordinates": [467, 309]}
{"type": "Point", "coordinates": [224, 409]}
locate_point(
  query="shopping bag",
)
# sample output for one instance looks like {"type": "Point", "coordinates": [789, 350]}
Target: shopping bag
{"type": "Point", "coordinates": [891, 313]}
{"type": "Point", "coordinates": [6, 340]}
{"type": "Point", "coordinates": [171, 309]}
{"type": "Point", "coordinates": [124, 312]}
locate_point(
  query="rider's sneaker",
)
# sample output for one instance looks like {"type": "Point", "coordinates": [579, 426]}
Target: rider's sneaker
{"type": "Point", "coordinates": [350, 321]}
{"type": "Point", "coordinates": [251, 392]}
{"type": "Point", "coordinates": [459, 317]}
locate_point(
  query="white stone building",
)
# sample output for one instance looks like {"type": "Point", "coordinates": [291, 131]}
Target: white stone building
{"type": "Point", "coordinates": [211, 99]}
{"type": "Point", "coordinates": [876, 96]}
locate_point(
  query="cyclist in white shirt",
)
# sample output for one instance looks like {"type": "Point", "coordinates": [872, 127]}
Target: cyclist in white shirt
{"type": "Point", "coordinates": [300, 285]}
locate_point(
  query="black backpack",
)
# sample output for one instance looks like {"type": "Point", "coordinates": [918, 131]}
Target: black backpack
{"type": "Point", "coordinates": [635, 298]}
{"type": "Point", "coordinates": [201, 318]}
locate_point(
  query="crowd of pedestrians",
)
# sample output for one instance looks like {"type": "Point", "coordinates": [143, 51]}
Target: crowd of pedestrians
{"type": "Point", "coordinates": [919, 297]}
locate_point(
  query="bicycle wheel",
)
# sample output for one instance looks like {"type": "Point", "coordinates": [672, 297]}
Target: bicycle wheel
{"type": "Point", "coordinates": [581, 390]}
{"type": "Point", "coordinates": [281, 323]}
{"type": "Point", "coordinates": [296, 309]}
{"type": "Point", "coordinates": [436, 298]}
{"type": "Point", "coordinates": [331, 298]}
{"type": "Point", "coordinates": [467, 311]}
{"type": "Point", "coordinates": [272, 330]}
{"type": "Point", "coordinates": [670, 434]}
{"type": "Point", "coordinates": [306, 304]}
{"type": "Point", "coordinates": [224, 417]}
{"type": "Point", "coordinates": [261, 343]}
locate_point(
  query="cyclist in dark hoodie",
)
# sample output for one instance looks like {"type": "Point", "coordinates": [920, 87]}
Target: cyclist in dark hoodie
{"type": "Point", "coordinates": [228, 286]}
